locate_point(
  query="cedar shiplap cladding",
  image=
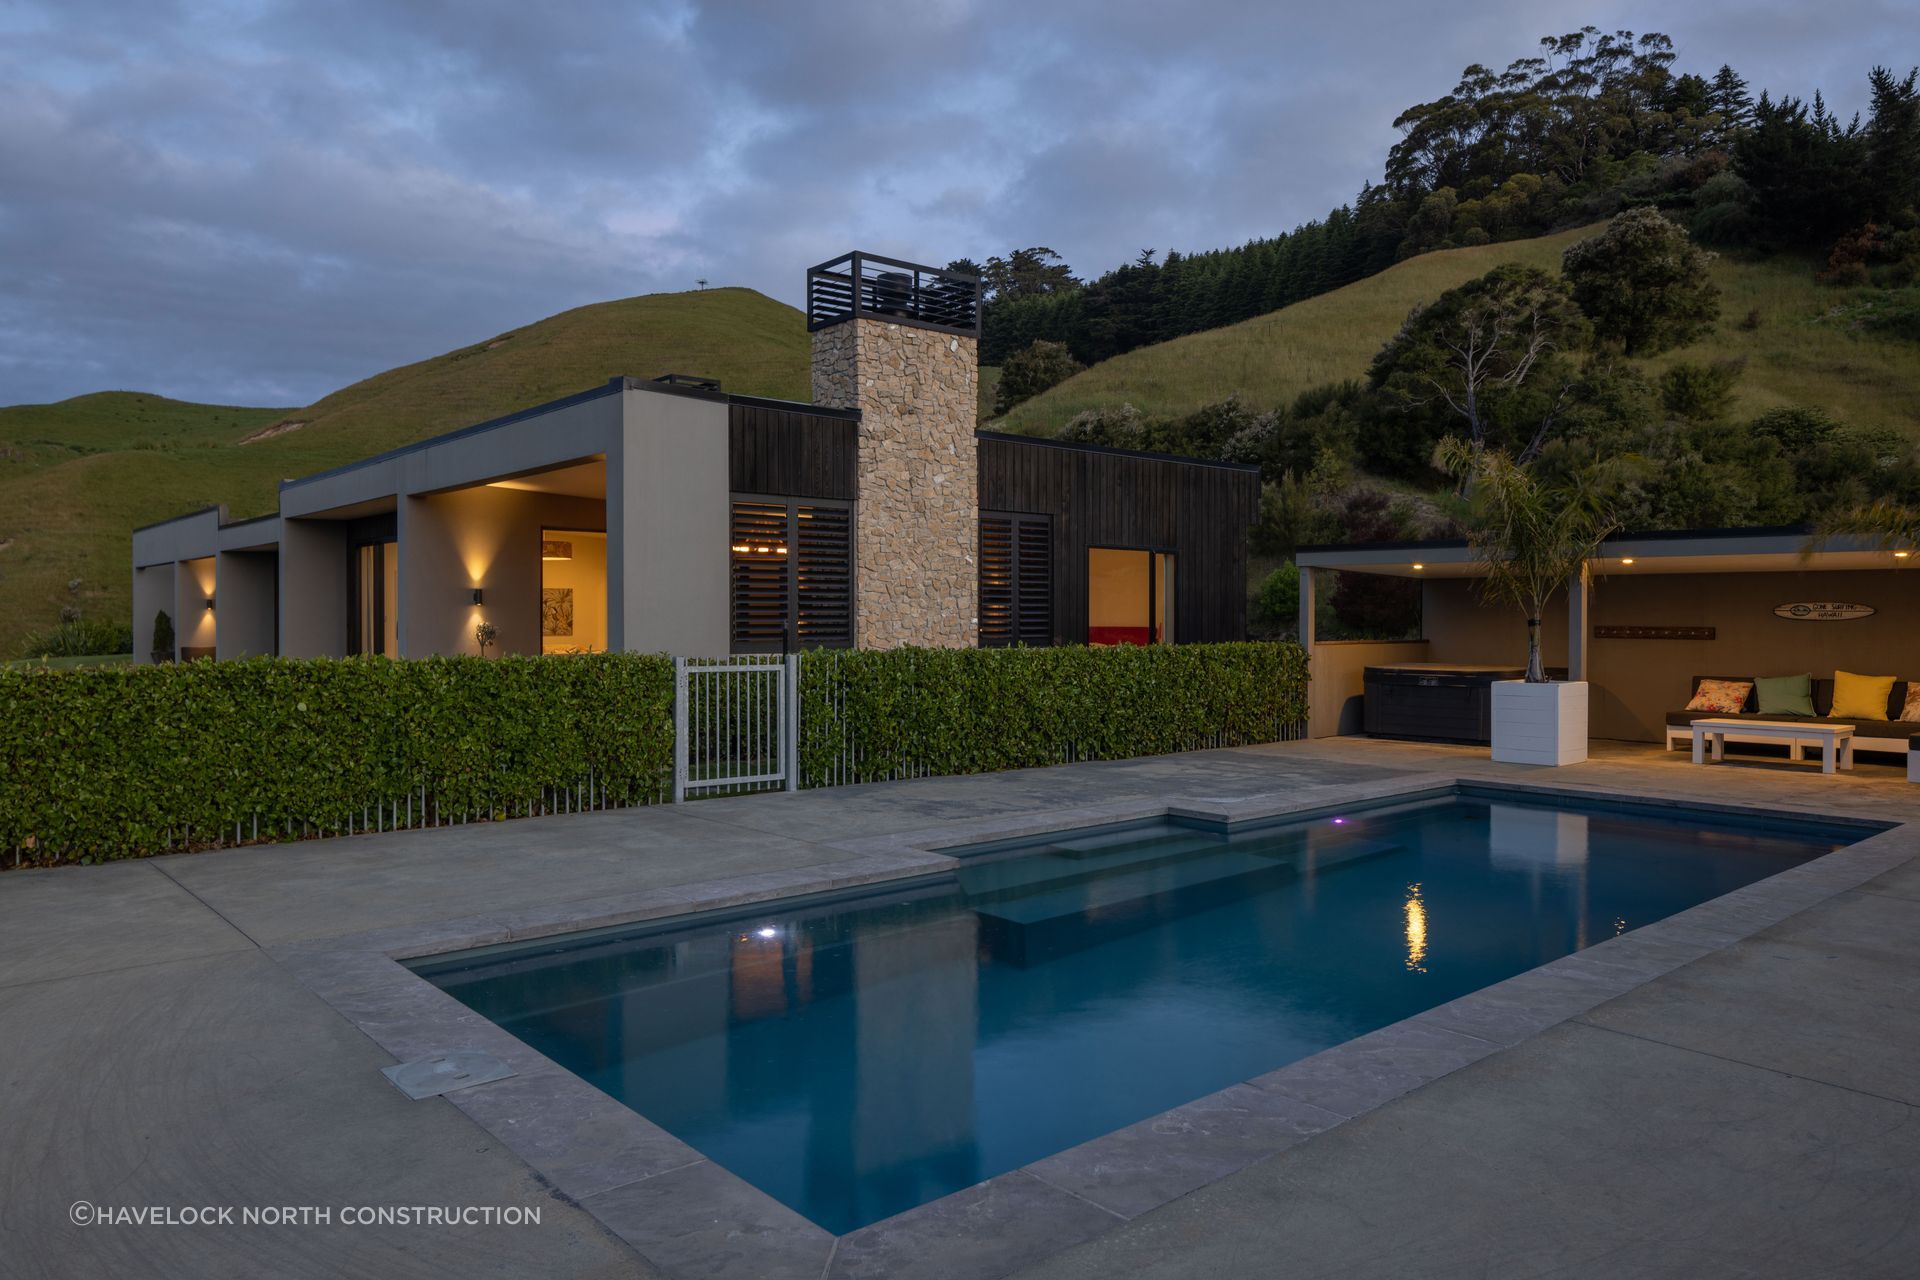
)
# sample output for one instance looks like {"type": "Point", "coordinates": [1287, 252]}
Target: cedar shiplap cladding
{"type": "Point", "coordinates": [792, 575]}
{"type": "Point", "coordinates": [1016, 579]}
{"type": "Point", "coordinates": [1200, 512]}
{"type": "Point", "coordinates": [791, 453]}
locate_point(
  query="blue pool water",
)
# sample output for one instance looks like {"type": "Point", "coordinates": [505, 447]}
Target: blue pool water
{"type": "Point", "coordinates": [858, 1056]}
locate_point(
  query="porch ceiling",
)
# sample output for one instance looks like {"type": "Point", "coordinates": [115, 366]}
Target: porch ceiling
{"type": "Point", "coordinates": [574, 480]}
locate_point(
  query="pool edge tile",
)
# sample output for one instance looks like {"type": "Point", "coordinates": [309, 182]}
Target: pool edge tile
{"type": "Point", "coordinates": [700, 1222]}
{"type": "Point", "coordinates": [990, 1229]}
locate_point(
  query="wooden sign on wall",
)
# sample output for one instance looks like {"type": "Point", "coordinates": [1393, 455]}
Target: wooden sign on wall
{"type": "Point", "coordinates": [1653, 633]}
{"type": "Point", "coordinates": [1822, 611]}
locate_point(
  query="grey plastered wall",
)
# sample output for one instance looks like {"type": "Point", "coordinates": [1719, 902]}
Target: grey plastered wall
{"type": "Point", "coordinates": [667, 525]}
{"type": "Point", "coordinates": [1636, 682]}
{"type": "Point", "coordinates": [313, 601]}
{"type": "Point", "coordinates": [245, 603]}
{"type": "Point", "coordinates": [194, 624]}
{"type": "Point", "coordinates": [452, 543]}
{"type": "Point", "coordinates": [1336, 680]}
{"type": "Point", "coordinates": [1461, 627]}
{"type": "Point", "coordinates": [153, 589]}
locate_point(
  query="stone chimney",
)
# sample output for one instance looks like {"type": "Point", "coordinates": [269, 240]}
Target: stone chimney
{"type": "Point", "coordinates": [901, 343]}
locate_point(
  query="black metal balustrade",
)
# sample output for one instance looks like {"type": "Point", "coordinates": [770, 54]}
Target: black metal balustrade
{"type": "Point", "coordinates": [864, 284]}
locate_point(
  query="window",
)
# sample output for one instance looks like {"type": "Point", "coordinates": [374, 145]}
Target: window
{"type": "Point", "coordinates": [1129, 596]}
{"type": "Point", "coordinates": [374, 626]}
{"type": "Point", "coordinates": [1016, 579]}
{"type": "Point", "coordinates": [792, 575]}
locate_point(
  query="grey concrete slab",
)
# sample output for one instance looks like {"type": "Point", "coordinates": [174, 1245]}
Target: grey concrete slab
{"type": "Point", "coordinates": [1524, 1006]}
{"type": "Point", "coordinates": [984, 1231]}
{"type": "Point", "coordinates": [579, 1139]}
{"type": "Point", "coordinates": [1145, 1165]}
{"type": "Point", "coordinates": [1353, 1078]}
{"type": "Point", "coordinates": [62, 921]}
{"type": "Point", "coordinates": [702, 1223]}
{"type": "Point", "coordinates": [219, 1081]}
{"type": "Point", "coordinates": [1580, 1152]}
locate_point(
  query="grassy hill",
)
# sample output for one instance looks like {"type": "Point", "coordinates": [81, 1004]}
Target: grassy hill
{"type": "Point", "coordinates": [77, 477]}
{"type": "Point", "coordinates": [1800, 354]}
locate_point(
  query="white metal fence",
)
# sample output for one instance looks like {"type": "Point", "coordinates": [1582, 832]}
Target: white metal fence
{"type": "Point", "coordinates": [736, 725]}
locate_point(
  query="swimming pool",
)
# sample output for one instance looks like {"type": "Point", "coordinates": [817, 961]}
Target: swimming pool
{"type": "Point", "coordinates": [858, 1055]}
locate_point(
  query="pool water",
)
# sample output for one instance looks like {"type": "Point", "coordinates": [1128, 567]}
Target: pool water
{"type": "Point", "coordinates": [858, 1056]}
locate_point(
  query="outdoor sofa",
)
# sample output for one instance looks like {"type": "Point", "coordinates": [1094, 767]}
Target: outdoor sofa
{"type": "Point", "coordinates": [1889, 735]}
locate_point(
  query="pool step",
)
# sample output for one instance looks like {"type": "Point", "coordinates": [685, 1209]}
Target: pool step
{"type": "Point", "coordinates": [1061, 917]}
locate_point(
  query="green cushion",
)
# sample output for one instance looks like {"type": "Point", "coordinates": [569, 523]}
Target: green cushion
{"type": "Point", "coordinates": [1784, 695]}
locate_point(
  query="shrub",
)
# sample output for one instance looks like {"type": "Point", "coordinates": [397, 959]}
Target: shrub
{"type": "Point", "coordinates": [1643, 283]}
{"type": "Point", "coordinates": [1276, 605]}
{"type": "Point", "coordinates": [119, 762]}
{"type": "Point", "coordinates": [78, 637]}
{"type": "Point", "coordinates": [868, 715]}
{"type": "Point", "coordinates": [1040, 367]}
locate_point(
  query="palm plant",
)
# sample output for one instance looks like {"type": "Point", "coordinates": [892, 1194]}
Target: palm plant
{"type": "Point", "coordinates": [1532, 536]}
{"type": "Point", "coordinates": [1888, 525]}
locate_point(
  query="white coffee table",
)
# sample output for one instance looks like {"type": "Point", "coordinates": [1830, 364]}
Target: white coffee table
{"type": "Point", "coordinates": [1836, 740]}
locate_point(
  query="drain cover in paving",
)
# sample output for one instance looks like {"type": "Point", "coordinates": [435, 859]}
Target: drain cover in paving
{"type": "Point", "coordinates": [443, 1073]}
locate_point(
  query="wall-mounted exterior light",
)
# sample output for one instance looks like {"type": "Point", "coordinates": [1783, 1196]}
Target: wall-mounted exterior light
{"type": "Point", "coordinates": [478, 596]}
{"type": "Point", "coordinates": [209, 604]}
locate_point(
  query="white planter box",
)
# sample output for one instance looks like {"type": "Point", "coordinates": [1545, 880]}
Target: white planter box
{"type": "Point", "coordinates": [1540, 723]}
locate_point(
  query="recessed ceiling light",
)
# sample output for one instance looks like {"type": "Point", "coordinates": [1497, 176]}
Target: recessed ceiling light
{"type": "Point", "coordinates": [1626, 559]}
{"type": "Point", "coordinates": [1419, 566]}
{"type": "Point", "coordinates": [1901, 555]}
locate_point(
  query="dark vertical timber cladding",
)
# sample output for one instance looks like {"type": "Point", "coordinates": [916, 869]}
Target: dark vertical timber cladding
{"type": "Point", "coordinates": [1098, 498]}
{"type": "Point", "coordinates": [791, 453]}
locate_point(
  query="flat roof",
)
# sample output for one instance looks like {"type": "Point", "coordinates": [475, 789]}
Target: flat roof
{"type": "Point", "coordinates": [1768, 549]}
{"type": "Point", "coordinates": [1048, 442]}
{"type": "Point", "coordinates": [613, 386]}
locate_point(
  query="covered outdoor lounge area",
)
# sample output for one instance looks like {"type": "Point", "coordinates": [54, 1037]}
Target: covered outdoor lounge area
{"type": "Point", "coordinates": [1653, 615]}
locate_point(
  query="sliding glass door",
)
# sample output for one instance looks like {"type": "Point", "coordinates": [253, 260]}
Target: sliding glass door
{"type": "Point", "coordinates": [1129, 596]}
{"type": "Point", "coordinates": [373, 624]}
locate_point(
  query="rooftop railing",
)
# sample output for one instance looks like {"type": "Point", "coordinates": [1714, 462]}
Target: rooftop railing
{"type": "Point", "coordinates": [864, 284]}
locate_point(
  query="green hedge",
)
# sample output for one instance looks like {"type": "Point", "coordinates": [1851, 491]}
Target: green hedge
{"type": "Point", "coordinates": [867, 716]}
{"type": "Point", "coordinates": [120, 762]}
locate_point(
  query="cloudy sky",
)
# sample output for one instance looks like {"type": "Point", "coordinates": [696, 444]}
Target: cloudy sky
{"type": "Point", "coordinates": [256, 202]}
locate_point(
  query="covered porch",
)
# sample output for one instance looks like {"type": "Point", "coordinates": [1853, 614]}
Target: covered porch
{"type": "Point", "coordinates": [1651, 613]}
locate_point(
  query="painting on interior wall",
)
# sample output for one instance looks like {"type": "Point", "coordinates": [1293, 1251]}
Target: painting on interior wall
{"type": "Point", "coordinates": [556, 611]}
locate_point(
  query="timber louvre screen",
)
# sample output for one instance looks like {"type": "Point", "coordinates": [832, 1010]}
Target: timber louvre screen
{"type": "Point", "coordinates": [791, 575]}
{"type": "Point", "coordinates": [1016, 579]}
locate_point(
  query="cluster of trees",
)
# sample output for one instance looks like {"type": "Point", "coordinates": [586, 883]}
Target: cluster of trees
{"type": "Point", "coordinates": [1596, 123]}
{"type": "Point", "coordinates": [1546, 370]}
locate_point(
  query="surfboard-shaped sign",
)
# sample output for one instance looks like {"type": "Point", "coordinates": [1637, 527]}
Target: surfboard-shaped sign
{"type": "Point", "coordinates": [1822, 611]}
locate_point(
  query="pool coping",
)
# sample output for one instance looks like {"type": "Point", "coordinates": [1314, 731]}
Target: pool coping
{"type": "Point", "coordinates": [694, 1218]}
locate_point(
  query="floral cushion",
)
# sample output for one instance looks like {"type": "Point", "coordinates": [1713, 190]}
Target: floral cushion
{"type": "Point", "coordinates": [1723, 697]}
{"type": "Point", "coordinates": [1911, 711]}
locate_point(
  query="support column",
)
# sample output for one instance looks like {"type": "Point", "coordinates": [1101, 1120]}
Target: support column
{"type": "Point", "coordinates": [1579, 597]}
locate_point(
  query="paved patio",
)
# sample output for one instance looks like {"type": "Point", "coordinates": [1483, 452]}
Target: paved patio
{"type": "Point", "coordinates": [1749, 1113]}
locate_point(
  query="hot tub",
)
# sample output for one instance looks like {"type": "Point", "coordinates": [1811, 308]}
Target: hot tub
{"type": "Point", "coordinates": [1433, 701]}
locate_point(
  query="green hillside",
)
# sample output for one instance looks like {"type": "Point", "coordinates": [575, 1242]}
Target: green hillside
{"type": "Point", "coordinates": [77, 477]}
{"type": "Point", "coordinates": [1802, 353]}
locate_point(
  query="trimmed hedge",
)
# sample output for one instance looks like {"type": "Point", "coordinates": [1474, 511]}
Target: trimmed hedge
{"type": "Point", "coordinates": [122, 762]}
{"type": "Point", "coordinates": [118, 762]}
{"type": "Point", "coordinates": [871, 715]}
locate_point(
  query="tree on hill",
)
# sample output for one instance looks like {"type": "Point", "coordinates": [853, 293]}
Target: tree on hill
{"type": "Point", "coordinates": [1026, 374]}
{"type": "Point", "coordinates": [1489, 357]}
{"type": "Point", "coordinates": [1643, 283]}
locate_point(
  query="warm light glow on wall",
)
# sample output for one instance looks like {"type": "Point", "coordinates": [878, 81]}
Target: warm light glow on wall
{"type": "Point", "coordinates": [1416, 912]}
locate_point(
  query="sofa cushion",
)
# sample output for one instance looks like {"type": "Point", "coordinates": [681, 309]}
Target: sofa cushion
{"type": "Point", "coordinates": [1858, 697]}
{"type": "Point", "coordinates": [1720, 697]}
{"type": "Point", "coordinates": [1784, 695]}
{"type": "Point", "coordinates": [1910, 705]}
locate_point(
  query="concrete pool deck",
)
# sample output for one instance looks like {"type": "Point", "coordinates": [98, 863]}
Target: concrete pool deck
{"type": "Point", "coordinates": [1749, 1112]}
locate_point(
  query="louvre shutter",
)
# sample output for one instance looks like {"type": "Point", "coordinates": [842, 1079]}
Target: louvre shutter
{"type": "Point", "coordinates": [997, 625]}
{"type": "Point", "coordinates": [1016, 579]}
{"type": "Point", "coordinates": [824, 588]}
{"type": "Point", "coordinates": [759, 588]}
{"type": "Point", "coordinates": [1033, 562]}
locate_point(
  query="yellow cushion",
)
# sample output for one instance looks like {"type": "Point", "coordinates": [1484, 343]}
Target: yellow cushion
{"type": "Point", "coordinates": [1860, 697]}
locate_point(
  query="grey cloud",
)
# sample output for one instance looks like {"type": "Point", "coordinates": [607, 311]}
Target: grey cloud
{"type": "Point", "coordinates": [262, 203]}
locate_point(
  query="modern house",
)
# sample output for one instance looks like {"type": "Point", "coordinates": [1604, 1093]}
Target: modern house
{"type": "Point", "coordinates": [670, 515]}
{"type": "Point", "coordinates": [1653, 613]}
